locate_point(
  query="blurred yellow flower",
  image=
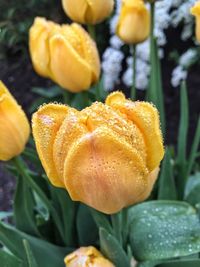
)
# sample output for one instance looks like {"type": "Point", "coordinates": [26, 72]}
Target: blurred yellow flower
{"type": "Point", "coordinates": [195, 10]}
{"type": "Point", "coordinates": [106, 156]}
{"type": "Point", "coordinates": [87, 257]}
{"type": "Point", "coordinates": [14, 126]}
{"type": "Point", "coordinates": [134, 22]}
{"type": "Point", "coordinates": [64, 53]}
{"type": "Point", "coordinates": [88, 11]}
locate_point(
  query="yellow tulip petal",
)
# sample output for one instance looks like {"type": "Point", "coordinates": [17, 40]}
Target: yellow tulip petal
{"type": "Point", "coordinates": [98, 10]}
{"type": "Point", "coordinates": [14, 126]}
{"type": "Point", "coordinates": [46, 122]}
{"type": "Point", "coordinates": [39, 48]}
{"type": "Point", "coordinates": [75, 9]}
{"type": "Point", "coordinates": [195, 10]}
{"type": "Point", "coordinates": [146, 117]}
{"type": "Point", "coordinates": [134, 13]}
{"type": "Point", "coordinates": [87, 256]}
{"type": "Point", "coordinates": [104, 172]}
{"type": "Point", "coordinates": [90, 52]}
{"type": "Point", "coordinates": [68, 68]}
{"type": "Point", "coordinates": [70, 131]}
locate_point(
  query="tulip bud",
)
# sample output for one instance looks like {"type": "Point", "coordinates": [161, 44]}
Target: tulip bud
{"type": "Point", "coordinates": [14, 126]}
{"type": "Point", "coordinates": [66, 54]}
{"type": "Point", "coordinates": [134, 22]}
{"type": "Point", "coordinates": [87, 256]}
{"type": "Point", "coordinates": [88, 12]}
{"type": "Point", "coordinates": [106, 156]}
{"type": "Point", "coordinates": [195, 10]}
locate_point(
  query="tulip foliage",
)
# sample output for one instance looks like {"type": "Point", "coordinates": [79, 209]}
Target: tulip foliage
{"type": "Point", "coordinates": [95, 185]}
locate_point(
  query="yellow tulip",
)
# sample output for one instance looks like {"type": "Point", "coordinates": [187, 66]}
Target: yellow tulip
{"type": "Point", "coordinates": [64, 53]}
{"type": "Point", "coordinates": [134, 22]}
{"type": "Point", "coordinates": [87, 257]}
{"type": "Point", "coordinates": [88, 11]}
{"type": "Point", "coordinates": [195, 10]}
{"type": "Point", "coordinates": [106, 156]}
{"type": "Point", "coordinates": [14, 126]}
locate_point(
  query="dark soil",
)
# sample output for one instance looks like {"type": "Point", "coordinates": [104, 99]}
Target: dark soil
{"type": "Point", "coordinates": [17, 73]}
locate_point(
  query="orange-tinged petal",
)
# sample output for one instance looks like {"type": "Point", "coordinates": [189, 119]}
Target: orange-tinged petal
{"type": "Point", "coordinates": [14, 126]}
{"type": "Point", "coordinates": [85, 257]}
{"type": "Point", "coordinates": [45, 123]}
{"type": "Point", "coordinates": [104, 172]}
{"type": "Point", "coordinates": [69, 69]}
{"type": "Point", "coordinates": [146, 117]}
{"type": "Point", "coordinates": [68, 133]}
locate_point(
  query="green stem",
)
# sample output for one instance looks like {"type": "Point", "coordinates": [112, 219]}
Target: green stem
{"type": "Point", "coordinates": [133, 88]}
{"type": "Point", "coordinates": [66, 97]}
{"type": "Point", "coordinates": [22, 170]}
{"type": "Point", "coordinates": [91, 30]}
{"type": "Point", "coordinates": [152, 20]}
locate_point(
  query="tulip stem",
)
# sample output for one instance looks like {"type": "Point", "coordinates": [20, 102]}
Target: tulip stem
{"type": "Point", "coordinates": [23, 171]}
{"type": "Point", "coordinates": [91, 30]}
{"type": "Point", "coordinates": [133, 88]}
{"type": "Point", "coordinates": [66, 97]}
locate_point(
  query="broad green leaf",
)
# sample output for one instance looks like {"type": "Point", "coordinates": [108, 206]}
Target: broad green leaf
{"type": "Point", "coordinates": [86, 227]}
{"type": "Point", "coordinates": [164, 230]}
{"type": "Point", "coordinates": [112, 249]}
{"type": "Point", "coordinates": [167, 187]}
{"type": "Point", "coordinates": [30, 258]}
{"type": "Point", "coordinates": [101, 220]}
{"type": "Point", "coordinates": [24, 205]}
{"type": "Point", "coordinates": [188, 263]}
{"type": "Point", "coordinates": [192, 189]}
{"type": "Point", "coordinates": [194, 149]}
{"type": "Point", "coordinates": [9, 260]}
{"type": "Point", "coordinates": [67, 210]}
{"type": "Point", "coordinates": [46, 254]}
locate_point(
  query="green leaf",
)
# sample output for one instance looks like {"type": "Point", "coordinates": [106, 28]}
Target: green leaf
{"type": "Point", "coordinates": [192, 189]}
{"type": "Point", "coordinates": [86, 227]}
{"type": "Point", "coordinates": [167, 187]}
{"type": "Point", "coordinates": [30, 258]}
{"type": "Point", "coordinates": [182, 140]}
{"type": "Point", "coordinates": [187, 263]}
{"type": "Point", "coordinates": [9, 260]}
{"type": "Point", "coordinates": [194, 149]}
{"type": "Point", "coordinates": [101, 220]}
{"type": "Point", "coordinates": [67, 210]}
{"type": "Point", "coordinates": [164, 230]}
{"type": "Point", "coordinates": [24, 205]}
{"type": "Point", "coordinates": [112, 249]}
{"type": "Point", "coordinates": [46, 254]}
{"type": "Point", "coordinates": [155, 92]}
{"type": "Point", "coordinates": [51, 92]}
{"type": "Point", "coordinates": [5, 214]}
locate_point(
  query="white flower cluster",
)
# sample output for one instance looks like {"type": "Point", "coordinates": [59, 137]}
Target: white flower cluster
{"type": "Point", "coordinates": [167, 13]}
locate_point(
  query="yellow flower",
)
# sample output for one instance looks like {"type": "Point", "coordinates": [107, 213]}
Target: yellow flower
{"type": "Point", "coordinates": [106, 156]}
{"type": "Point", "coordinates": [195, 10]}
{"type": "Point", "coordinates": [134, 22]}
{"type": "Point", "coordinates": [85, 257]}
{"type": "Point", "coordinates": [64, 53]}
{"type": "Point", "coordinates": [88, 11]}
{"type": "Point", "coordinates": [14, 126]}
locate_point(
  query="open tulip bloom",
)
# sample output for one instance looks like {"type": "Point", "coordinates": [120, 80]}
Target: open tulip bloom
{"type": "Point", "coordinates": [106, 156]}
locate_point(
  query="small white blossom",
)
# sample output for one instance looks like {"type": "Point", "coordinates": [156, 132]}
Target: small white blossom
{"type": "Point", "coordinates": [178, 75]}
